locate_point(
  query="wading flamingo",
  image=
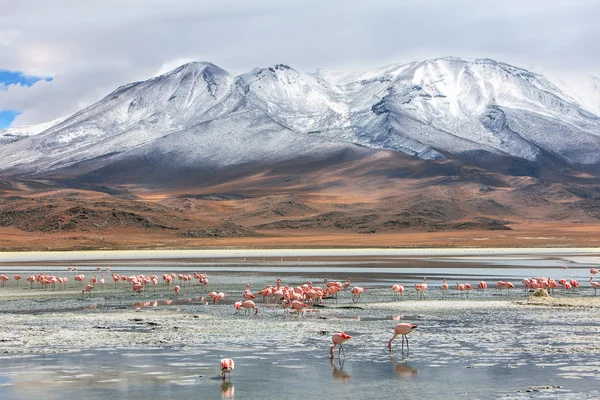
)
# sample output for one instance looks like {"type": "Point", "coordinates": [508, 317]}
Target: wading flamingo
{"type": "Point", "coordinates": [399, 290]}
{"type": "Point", "coordinates": [445, 288]}
{"type": "Point", "coordinates": [238, 306]}
{"type": "Point", "coordinates": [88, 289]}
{"type": "Point", "coordinates": [402, 329]}
{"type": "Point", "coordinates": [247, 305]}
{"type": "Point", "coordinates": [339, 339]}
{"type": "Point", "coordinates": [593, 271]}
{"type": "Point", "coordinates": [595, 285]}
{"type": "Point", "coordinates": [218, 297]}
{"type": "Point", "coordinates": [421, 288]}
{"type": "Point", "coordinates": [226, 366]}
{"type": "Point", "coordinates": [356, 292]}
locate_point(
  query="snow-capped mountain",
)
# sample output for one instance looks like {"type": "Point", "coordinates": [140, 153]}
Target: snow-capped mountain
{"type": "Point", "coordinates": [10, 135]}
{"type": "Point", "coordinates": [200, 115]}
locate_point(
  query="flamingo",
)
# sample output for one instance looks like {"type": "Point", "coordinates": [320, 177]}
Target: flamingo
{"type": "Point", "coordinates": [218, 297]}
{"type": "Point", "coordinates": [88, 289]}
{"type": "Point", "coordinates": [227, 365]}
{"type": "Point", "coordinates": [468, 288]}
{"type": "Point", "coordinates": [482, 285]}
{"type": "Point", "coordinates": [17, 278]}
{"type": "Point", "coordinates": [356, 292]}
{"type": "Point", "coordinates": [248, 294]}
{"type": "Point", "coordinates": [460, 287]}
{"type": "Point", "coordinates": [346, 284]}
{"type": "Point", "coordinates": [247, 305]}
{"type": "Point", "coordinates": [398, 289]}
{"type": "Point", "coordinates": [421, 288]}
{"type": "Point", "coordinates": [238, 306]}
{"type": "Point", "coordinates": [445, 288]}
{"type": "Point", "coordinates": [595, 285]}
{"type": "Point", "coordinates": [176, 288]}
{"type": "Point", "coordinates": [339, 339]}
{"type": "Point", "coordinates": [298, 306]}
{"type": "Point", "coordinates": [593, 271]}
{"type": "Point", "coordinates": [402, 329]}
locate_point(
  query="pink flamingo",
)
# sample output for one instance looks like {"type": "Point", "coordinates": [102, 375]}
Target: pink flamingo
{"type": "Point", "coordinates": [88, 289]}
{"type": "Point", "coordinates": [356, 292]}
{"type": "Point", "coordinates": [421, 288]}
{"type": "Point", "coordinates": [248, 295]}
{"type": "Point", "coordinates": [468, 288]}
{"type": "Point", "coordinates": [177, 288]}
{"type": "Point", "coordinates": [593, 271]}
{"type": "Point", "coordinates": [402, 329]}
{"type": "Point", "coordinates": [399, 290]}
{"type": "Point", "coordinates": [445, 288]}
{"type": "Point", "coordinates": [227, 365]}
{"type": "Point", "coordinates": [482, 285]}
{"type": "Point", "coordinates": [247, 305]}
{"type": "Point", "coordinates": [17, 278]}
{"type": "Point", "coordinates": [218, 297]}
{"type": "Point", "coordinates": [298, 306]}
{"type": "Point", "coordinates": [237, 305]}
{"type": "Point", "coordinates": [595, 285]}
{"type": "Point", "coordinates": [346, 284]}
{"type": "Point", "coordinates": [339, 339]}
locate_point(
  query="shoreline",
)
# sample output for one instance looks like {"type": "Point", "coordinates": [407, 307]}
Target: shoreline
{"type": "Point", "coordinates": [123, 255]}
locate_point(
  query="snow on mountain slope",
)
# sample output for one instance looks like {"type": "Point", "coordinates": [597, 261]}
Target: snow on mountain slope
{"type": "Point", "coordinates": [586, 90]}
{"type": "Point", "coordinates": [130, 116]}
{"type": "Point", "coordinates": [200, 114]}
{"type": "Point", "coordinates": [10, 135]}
{"type": "Point", "coordinates": [458, 106]}
{"type": "Point", "coordinates": [298, 101]}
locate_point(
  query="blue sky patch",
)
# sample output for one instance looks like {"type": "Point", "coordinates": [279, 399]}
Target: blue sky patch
{"type": "Point", "coordinates": [7, 117]}
{"type": "Point", "coordinates": [8, 78]}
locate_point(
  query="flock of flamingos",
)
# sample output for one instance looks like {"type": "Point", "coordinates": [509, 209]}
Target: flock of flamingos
{"type": "Point", "coordinates": [296, 298]}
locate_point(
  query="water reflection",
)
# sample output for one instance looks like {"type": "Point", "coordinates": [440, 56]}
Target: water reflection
{"type": "Point", "coordinates": [338, 370]}
{"type": "Point", "coordinates": [402, 369]}
{"type": "Point", "coordinates": [227, 390]}
{"type": "Point", "coordinates": [168, 302]}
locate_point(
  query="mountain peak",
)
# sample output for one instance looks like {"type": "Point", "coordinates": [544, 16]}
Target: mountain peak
{"type": "Point", "coordinates": [195, 66]}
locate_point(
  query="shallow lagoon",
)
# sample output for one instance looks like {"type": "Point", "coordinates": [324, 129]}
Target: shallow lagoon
{"type": "Point", "coordinates": [485, 347]}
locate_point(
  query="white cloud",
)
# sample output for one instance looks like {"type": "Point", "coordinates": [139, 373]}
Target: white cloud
{"type": "Point", "coordinates": [92, 47]}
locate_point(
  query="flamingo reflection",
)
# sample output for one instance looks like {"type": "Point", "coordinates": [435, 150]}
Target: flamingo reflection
{"type": "Point", "coordinates": [339, 374]}
{"type": "Point", "coordinates": [227, 390]}
{"type": "Point", "coordinates": [402, 369]}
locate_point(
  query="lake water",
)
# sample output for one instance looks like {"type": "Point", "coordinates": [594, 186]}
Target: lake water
{"type": "Point", "coordinates": [487, 352]}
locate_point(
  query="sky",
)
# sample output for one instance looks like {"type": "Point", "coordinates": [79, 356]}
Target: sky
{"type": "Point", "coordinates": [58, 57]}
